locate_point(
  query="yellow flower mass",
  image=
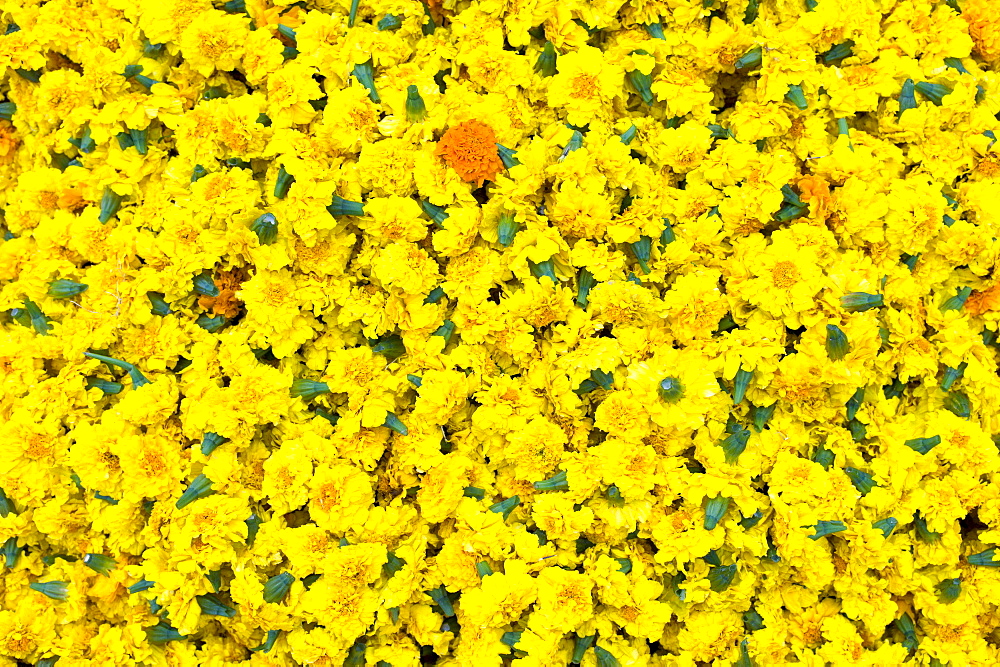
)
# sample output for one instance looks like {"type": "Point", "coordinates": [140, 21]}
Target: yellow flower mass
{"type": "Point", "coordinates": [481, 333]}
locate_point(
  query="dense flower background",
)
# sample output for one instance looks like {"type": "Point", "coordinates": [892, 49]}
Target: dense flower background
{"type": "Point", "coordinates": [490, 332]}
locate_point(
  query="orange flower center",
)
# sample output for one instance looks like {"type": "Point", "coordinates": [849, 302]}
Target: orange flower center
{"type": "Point", "coordinates": [785, 274]}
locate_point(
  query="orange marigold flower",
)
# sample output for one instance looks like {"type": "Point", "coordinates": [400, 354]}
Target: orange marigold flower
{"type": "Point", "coordinates": [470, 148]}
{"type": "Point", "coordinates": [815, 191]}
{"type": "Point", "coordinates": [228, 283]}
{"type": "Point", "coordinates": [984, 301]}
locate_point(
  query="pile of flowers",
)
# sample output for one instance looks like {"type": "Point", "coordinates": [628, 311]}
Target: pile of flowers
{"type": "Point", "coordinates": [660, 332]}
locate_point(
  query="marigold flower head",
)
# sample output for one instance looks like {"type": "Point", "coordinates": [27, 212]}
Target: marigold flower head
{"type": "Point", "coordinates": [470, 148]}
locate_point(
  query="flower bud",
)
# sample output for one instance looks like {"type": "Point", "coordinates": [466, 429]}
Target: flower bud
{"type": "Point", "coordinates": [934, 92]}
{"type": "Point", "coordinates": [277, 587]}
{"type": "Point", "coordinates": [824, 528]}
{"type": "Point", "coordinates": [392, 422]}
{"type": "Point", "coordinates": [859, 302]}
{"type": "Point", "coordinates": [720, 577]}
{"type": "Point", "coordinates": [506, 506]}
{"type": "Point", "coordinates": [282, 182]}
{"type": "Point", "coordinates": [341, 207]}
{"type": "Point", "coordinates": [555, 483]}
{"type": "Point", "coordinates": [111, 201]}
{"type": "Point", "coordinates": [546, 63]}
{"type": "Point", "coordinates": [416, 111]}
{"type": "Point", "coordinates": [100, 563]}
{"type": "Point", "coordinates": [65, 289]}
{"type": "Point", "coordinates": [365, 74]}
{"type": "Point", "coordinates": [211, 605]}
{"type": "Point", "coordinates": [907, 98]}
{"type": "Point", "coordinates": [751, 59]}
{"type": "Point", "coordinates": [923, 445]}
{"type": "Point", "coordinates": [57, 590]}
{"type": "Point", "coordinates": [715, 509]}
{"type": "Point", "coordinates": [861, 480]}
{"type": "Point", "coordinates": [670, 390]}
{"type": "Point", "coordinates": [886, 525]}
{"type": "Point", "coordinates": [957, 302]}
{"type": "Point", "coordinates": [837, 345]}
{"type": "Point", "coordinates": [389, 22]}
{"type": "Point", "coordinates": [308, 390]}
{"type": "Point", "coordinates": [838, 52]}
{"type": "Point", "coordinates": [949, 590]}
{"type": "Point", "coordinates": [986, 558]}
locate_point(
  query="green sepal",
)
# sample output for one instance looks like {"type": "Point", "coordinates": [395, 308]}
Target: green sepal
{"type": "Point", "coordinates": [838, 52]}
{"type": "Point", "coordinates": [555, 483]}
{"type": "Point", "coordinates": [886, 525]}
{"type": "Point", "coordinates": [715, 510]}
{"type": "Point", "coordinates": [670, 390]}
{"type": "Point", "coordinates": [253, 527]}
{"type": "Point", "coordinates": [734, 444]}
{"type": "Point", "coordinates": [266, 228]}
{"type": "Point", "coordinates": [264, 119]}
{"type": "Point", "coordinates": [507, 156]}
{"type": "Point", "coordinates": [436, 213]}
{"type": "Point", "coordinates": [752, 12]}
{"type": "Point", "coordinates": [761, 414]}
{"type": "Point", "coordinates": [140, 139]}
{"type": "Point", "coordinates": [441, 599]}
{"type": "Point", "coordinates": [392, 422]}
{"type": "Point", "coordinates": [277, 587]}
{"type": "Point", "coordinates": [924, 533]}
{"type": "Point", "coordinates": [580, 646]}
{"type": "Point", "coordinates": [824, 528]}
{"type": "Point", "coordinates": [57, 590]}
{"type": "Point", "coordinates": [141, 585]}
{"type": "Point", "coordinates": [861, 480]}
{"type": "Point", "coordinates": [753, 621]}
{"type": "Point", "coordinates": [163, 632]}
{"type": "Point", "coordinates": [198, 173]}
{"type": "Point", "coordinates": [204, 285]}
{"type": "Point", "coordinates": [544, 269]}
{"type": "Point", "coordinates": [952, 375]}
{"type": "Point", "coordinates": [215, 578]}
{"type": "Point", "coordinates": [389, 22]}
{"type": "Point", "coordinates": [575, 142]}
{"type": "Point", "coordinates": [200, 487]}
{"type": "Point", "coordinates": [286, 32]}
{"type": "Point", "coordinates": [910, 261]}
{"type": "Point", "coordinates": [854, 403]}
{"type": "Point", "coordinates": [391, 347]}
{"type": "Point", "coordinates": [641, 84]}
{"type": "Point", "coordinates": [269, 641]}
{"type": "Point", "coordinates": [341, 207]}
{"type": "Point", "coordinates": [483, 569]}
{"type": "Point", "coordinates": [428, 26]}
{"type": "Point", "coordinates": [956, 302]}
{"type": "Point", "coordinates": [473, 492]}
{"type": "Point", "coordinates": [211, 441]}
{"type": "Point", "coordinates": [505, 507]}
{"type": "Point", "coordinates": [655, 30]}
{"type": "Point", "coordinates": [7, 110]}
{"type": "Point", "coordinates": [857, 429]}
{"type": "Point", "coordinates": [837, 345]}
{"type": "Point", "coordinates": [546, 63]}
{"type": "Point", "coordinates": [983, 558]}
{"type": "Point", "coordinates": [859, 302]}
{"type": "Point", "coordinates": [106, 386]}
{"type": "Point", "coordinates": [308, 390]}
{"type": "Point", "coordinates": [6, 505]}
{"type": "Point", "coordinates": [100, 563]}
{"type": "Point", "coordinates": [585, 282]}
{"type": "Point", "coordinates": [211, 324]}
{"type": "Point", "coordinates": [111, 201]}
{"type": "Point", "coordinates": [958, 403]}
{"type": "Point", "coordinates": [749, 522]}
{"type": "Point", "coordinates": [905, 625]}
{"type": "Point", "coordinates": [797, 97]}
{"type": "Point", "coordinates": [510, 638]}
{"type": "Point", "coordinates": [85, 144]}
{"type": "Point", "coordinates": [365, 74]}
{"type": "Point", "coordinates": [138, 379]}
{"type": "Point", "coordinates": [416, 110]}
{"type": "Point", "coordinates": [934, 92]}
{"type": "Point", "coordinates": [740, 385]}
{"type": "Point", "coordinates": [435, 295]}
{"type": "Point", "coordinates": [923, 445]}
{"type": "Point", "coordinates": [641, 249]}
{"type": "Point", "coordinates": [751, 59]}
{"type": "Point", "coordinates": [605, 658]}
{"type": "Point", "coordinates": [32, 75]}
{"type": "Point", "coordinates": [614, 496]}
{"type": "Point", "coordinates": [907, 98]}
{"type": "Point", "coordinates": [446, 331]}
{"type": "Point", "coordinates": [211, 605]}
{"type": "Point", "coordinates": [949, 589]}
{"type": "Point", "coordinates": [65, 289]}
{"type": "Point", "coordinates": [11, 552]}
{"type": "Point", "coordinates": [720, 577]}
{"type": "Point", "coordinates": [282, 183]}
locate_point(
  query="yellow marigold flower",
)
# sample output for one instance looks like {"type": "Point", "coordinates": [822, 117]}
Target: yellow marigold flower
{"type": "Point", "coordinates": [32, 450]}
{"type": "Point", "coordinates": [286, 472]}
{"type": "Point", "coordinates": [386, 167]}
{"type": "Point", "coordinates": [622, 415]}
{"type": "Point", "coordinates": [916, 210]}
{"type": "Point", "coordinates": [585, 84]}
{"type": "Point", "coordinates": [621, 302]}
{"type": "Point", "coordinates": [405, 267]}
{"type": "Point", "coordinates": [501, 598]}
{"type": "Point", "coordinates": [469, 148]}
{"type": "Point", "coordinates": [165, 22]}
{"type": "Point", "coordinates": [564, 601]}
{"type": "Point", "coordinates": [339, 497]}
{"type": "Point", "coordinates": [214, 40]}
